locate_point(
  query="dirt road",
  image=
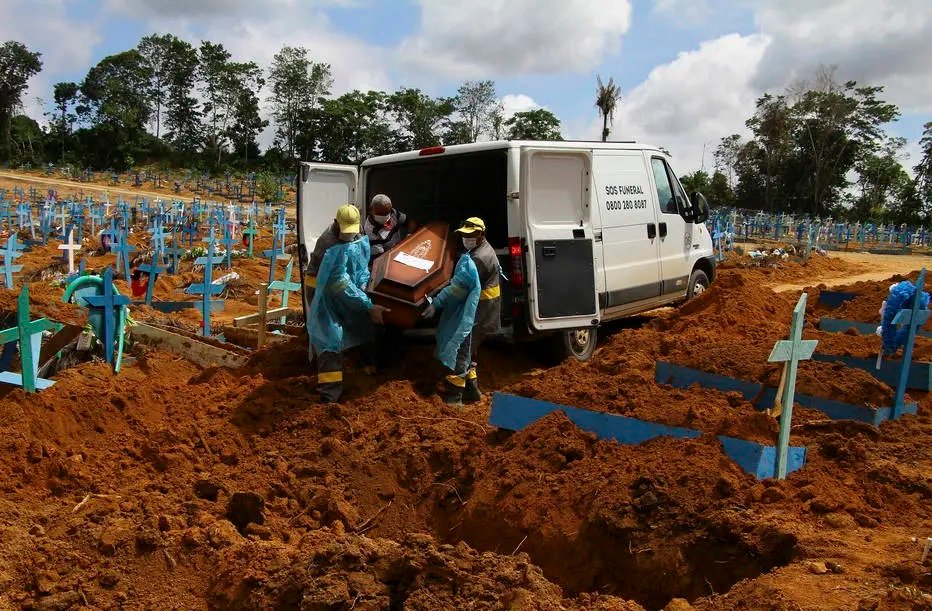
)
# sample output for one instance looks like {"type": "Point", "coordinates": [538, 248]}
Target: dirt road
{"type": "Point", "coordinates": [881, 267]}
{"type": "Point", "coordinates": [9, 179]}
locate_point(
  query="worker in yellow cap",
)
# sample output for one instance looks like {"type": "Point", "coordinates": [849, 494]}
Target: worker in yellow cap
{"type": "Point", "coordinates": [341, 313]}
{"type": "Point", "coordinates": [476, 293]}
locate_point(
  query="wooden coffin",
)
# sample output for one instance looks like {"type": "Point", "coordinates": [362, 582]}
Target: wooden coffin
{"type": "Point", "coordinates": [416, 267]}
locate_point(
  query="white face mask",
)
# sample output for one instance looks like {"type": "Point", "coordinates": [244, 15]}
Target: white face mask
{"type": "Point", "coordinates": [380, 218]}
{"type": "Point", "coordinates": [470, 243]}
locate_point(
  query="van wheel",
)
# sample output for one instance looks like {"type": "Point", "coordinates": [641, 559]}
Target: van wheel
{"type": "Point", "coordinates": [698, 283]}
{"type": "Point", "coordinates": [578, 344]}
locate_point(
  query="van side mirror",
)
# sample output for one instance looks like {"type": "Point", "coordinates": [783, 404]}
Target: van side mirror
{"type": "Point", "coordinates": [699, 208]}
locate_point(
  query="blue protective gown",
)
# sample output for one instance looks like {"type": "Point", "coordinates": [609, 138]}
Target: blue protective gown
{"type": "Point", "coordinates": [900, 298]}
{"type": "Point", "coordinates": [457, 304]}
{"type": "Point", "coordinates": [339, 316]}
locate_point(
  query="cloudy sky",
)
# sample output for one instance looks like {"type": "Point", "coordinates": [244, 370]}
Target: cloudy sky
{"type": "Point", "coordinates": [690, 70]}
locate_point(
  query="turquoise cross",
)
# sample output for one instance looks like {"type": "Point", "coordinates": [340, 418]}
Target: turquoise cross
{"type": "Point", "coordinates": [790, 352]}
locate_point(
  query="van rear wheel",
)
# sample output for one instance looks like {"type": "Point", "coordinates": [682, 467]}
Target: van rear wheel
{"type": "Point", "coordinates": [577, 344]}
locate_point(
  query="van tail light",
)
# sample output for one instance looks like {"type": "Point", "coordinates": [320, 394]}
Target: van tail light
{"type": "Point", "coordinates": [516, 256]}
{"type": "Point", "coordinates": [431, 150]}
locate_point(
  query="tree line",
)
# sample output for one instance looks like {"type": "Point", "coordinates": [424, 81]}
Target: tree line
{"type": "Point", "coordinates": [169, 102]}
{"type": "Point", "coordinates": [822, 149]}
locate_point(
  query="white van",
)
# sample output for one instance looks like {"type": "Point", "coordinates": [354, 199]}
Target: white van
{"type": "Point", "coordinates": [586, 232]}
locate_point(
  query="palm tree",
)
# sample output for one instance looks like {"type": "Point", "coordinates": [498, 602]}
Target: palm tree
{"type": "Point", "coordinates": [606, 98]}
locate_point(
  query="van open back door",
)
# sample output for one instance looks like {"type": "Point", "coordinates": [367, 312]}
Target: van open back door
{"type": "Point", "coordinates": [322, 188]}
{"type": "Point", "coordinates": [561, 266]}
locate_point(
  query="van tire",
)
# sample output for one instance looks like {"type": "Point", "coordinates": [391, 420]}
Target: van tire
{"type": "Point", "coordinates": [698, 283]}
{"type": "Point", "coordinates": [577, 344]}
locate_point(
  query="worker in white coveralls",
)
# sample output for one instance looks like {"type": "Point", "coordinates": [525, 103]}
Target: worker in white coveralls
{"type": "Point", "coordinates": [470, 311]}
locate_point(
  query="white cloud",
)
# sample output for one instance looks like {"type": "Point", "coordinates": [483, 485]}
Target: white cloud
{"type": "Point", "coordinates": [878, 43]}
{"type": "Point", "coordinates": [66, 45]}
{"type": "Point", "coordinates": [484, 38]}
{"type": "Point", "coordinates": [698, 98]}
{"type": "Point", "coordinates": [513, 103]}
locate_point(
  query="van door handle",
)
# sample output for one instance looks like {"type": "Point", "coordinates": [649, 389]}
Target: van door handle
{"type": "Point", "coordinates": [651, 231]}
{"type": "Point", "coordinates": [597, 236]}
{"type": "Point", "coordinates": [663, 230]}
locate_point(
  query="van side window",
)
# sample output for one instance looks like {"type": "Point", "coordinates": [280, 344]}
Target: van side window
{"type": "Point", "coordinates": [664, 189]}
{"type": "Point", "coordinates": [679, 193]}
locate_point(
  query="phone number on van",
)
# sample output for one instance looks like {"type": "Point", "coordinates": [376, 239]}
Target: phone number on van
{"type": "Point", "coordinates": [628, 204]}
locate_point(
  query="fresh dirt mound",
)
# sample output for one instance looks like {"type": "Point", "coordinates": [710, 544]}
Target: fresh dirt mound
{"type": "Point", "coordinates": [332, 570]}
{"type": "Point", "coordinates": [646, 522]}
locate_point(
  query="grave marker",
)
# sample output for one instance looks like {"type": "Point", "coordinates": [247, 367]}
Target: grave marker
{"type": "Point", "coordinates": [914, 318]}
{"type": "Point", "coordinates": [69, 247]}
{"type": "Point", "coordinates": [111, 302]}
{"type": "Point", "coordinates": [11, 252]}
{"type": "Point", "coordinates": [29, 335]}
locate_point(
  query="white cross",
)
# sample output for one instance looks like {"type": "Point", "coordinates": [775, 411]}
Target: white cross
{"type": "Point", "coordinates": [70, 247]}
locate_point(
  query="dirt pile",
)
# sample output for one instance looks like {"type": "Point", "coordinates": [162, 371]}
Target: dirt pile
{"type": "Point", "coordinates": [174, 486]}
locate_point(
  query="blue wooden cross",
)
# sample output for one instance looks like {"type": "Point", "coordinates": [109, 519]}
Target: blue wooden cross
{"type": "Point", "coordinates": [153, 269]}
{"type": "Point", "coordinates": [914, 318]}
{"type": "Point", "coordinates": [189, 232]}
{"type": "Point", "coordinates": [62, 215]}
{"type": "Point", "coordinates": [174, 251]}
{"type": "Point", "coordinates": [111, 302]}
{"type": "Point", "coordinates": [29, 335]}
{"type": "Point", "coordinates": [790, 352]}
{"type": "Point", "coordinates": [158, 239]}
{"type": "Point", "coordinates": [285, 286]}
{"type": "Point", "coordinates": [6, 213]}
{"type": "Point", "coordinates": [251, 233]}
{"type": "Point", "coordinates": [122, 248]}
{"type": "Point", "coordinates": [228, 242]}
{"type": "Point", "coordinates": [276, 253]}
{"type": "Point", "coordinates": [207, 288]}
{"type": "Point", "coordinates": [22, 211]}
{"type": "Point", "coordinates": [11, 252]}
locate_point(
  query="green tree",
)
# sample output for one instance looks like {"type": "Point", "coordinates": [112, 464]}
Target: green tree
{"type": "Point", "coordinates": [726, 157]}
{"type": "Point", "coordinates": [65, 95]}
{"type": "Point", "coordinates": [420, 118]}
{"type": "Point", "coordinates": [213, 76]}
{"type": "Point", "coordinates": [697, 181]}
{"type": "Point", "coordinates": [606, 100]}
{"type": "Point", "coordinates": [115, 106]}
{"type": "Point", "coordinates": [720, 193]}
{"type": "Point", "coordinates": [354, 127]}
{"type": "Point", "coordinates": [246, 124]}
{"type": "Point", "coordinates": [475, 103]}
{"type": "Point", "coordinates": [540, 124]}
{"type": "Point", "coordinates": [17, 65]}
{"type": "Point", "coordinates": [27, 140]}
{"type": "Point", "coordinates": [182, 110]}
{"type": "Point", "coordinates": [156, 51]}
{"type": "Point", "coordinates": [923, 169]}
{"type": "Point", "coordinates": [298, 85]}
{"type": "Point", "coordinates": [834, 126]}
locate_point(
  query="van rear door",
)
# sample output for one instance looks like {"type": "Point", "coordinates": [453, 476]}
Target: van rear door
{"type": "Point", "coordinates": [560, 259]}
{"type": "Point", "coordinates": [322, 188]}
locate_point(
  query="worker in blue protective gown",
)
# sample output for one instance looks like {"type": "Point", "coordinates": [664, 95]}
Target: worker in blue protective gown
{"type": "Point", "coordinates": [341, 314]}
{"type": "Point", "coordinates": [457, 304]}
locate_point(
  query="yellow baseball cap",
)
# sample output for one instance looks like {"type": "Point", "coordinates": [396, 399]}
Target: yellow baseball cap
{"type": "Point", "coordinates": [472, 225]}
{"type": "Point", "coordinates": [348, 218]}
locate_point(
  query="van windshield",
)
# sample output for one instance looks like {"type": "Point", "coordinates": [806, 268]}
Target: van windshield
{"type": "Point", "coordinates": [448, 188]}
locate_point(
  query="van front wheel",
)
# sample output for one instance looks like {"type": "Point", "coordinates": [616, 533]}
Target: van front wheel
{"type": "Point", "coordinates": [698, 283]}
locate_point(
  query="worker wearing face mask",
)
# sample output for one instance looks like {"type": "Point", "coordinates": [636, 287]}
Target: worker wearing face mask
{"type": "Point", "coordinates": [384, 226]}
{"type": "Point", "coordinates": [341, 313]}
{"type": "Point", "coordinates": [458, 346]}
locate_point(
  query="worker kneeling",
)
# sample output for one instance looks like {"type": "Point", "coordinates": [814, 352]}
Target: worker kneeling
{"type": "Point", "coordinates": [342, 315]}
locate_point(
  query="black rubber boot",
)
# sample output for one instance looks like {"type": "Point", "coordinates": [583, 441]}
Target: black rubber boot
{"type": "Point", "coordinates": [452, 393]}
{"type": "Point", "coordinates": [471, 393]}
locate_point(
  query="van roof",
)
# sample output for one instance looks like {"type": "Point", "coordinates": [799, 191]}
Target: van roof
{"type": "Point", "coordinates": [477, 147]}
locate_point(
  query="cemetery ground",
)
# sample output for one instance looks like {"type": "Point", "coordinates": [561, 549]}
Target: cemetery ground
{"type": "Point", "coordinates": [178, 485]}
